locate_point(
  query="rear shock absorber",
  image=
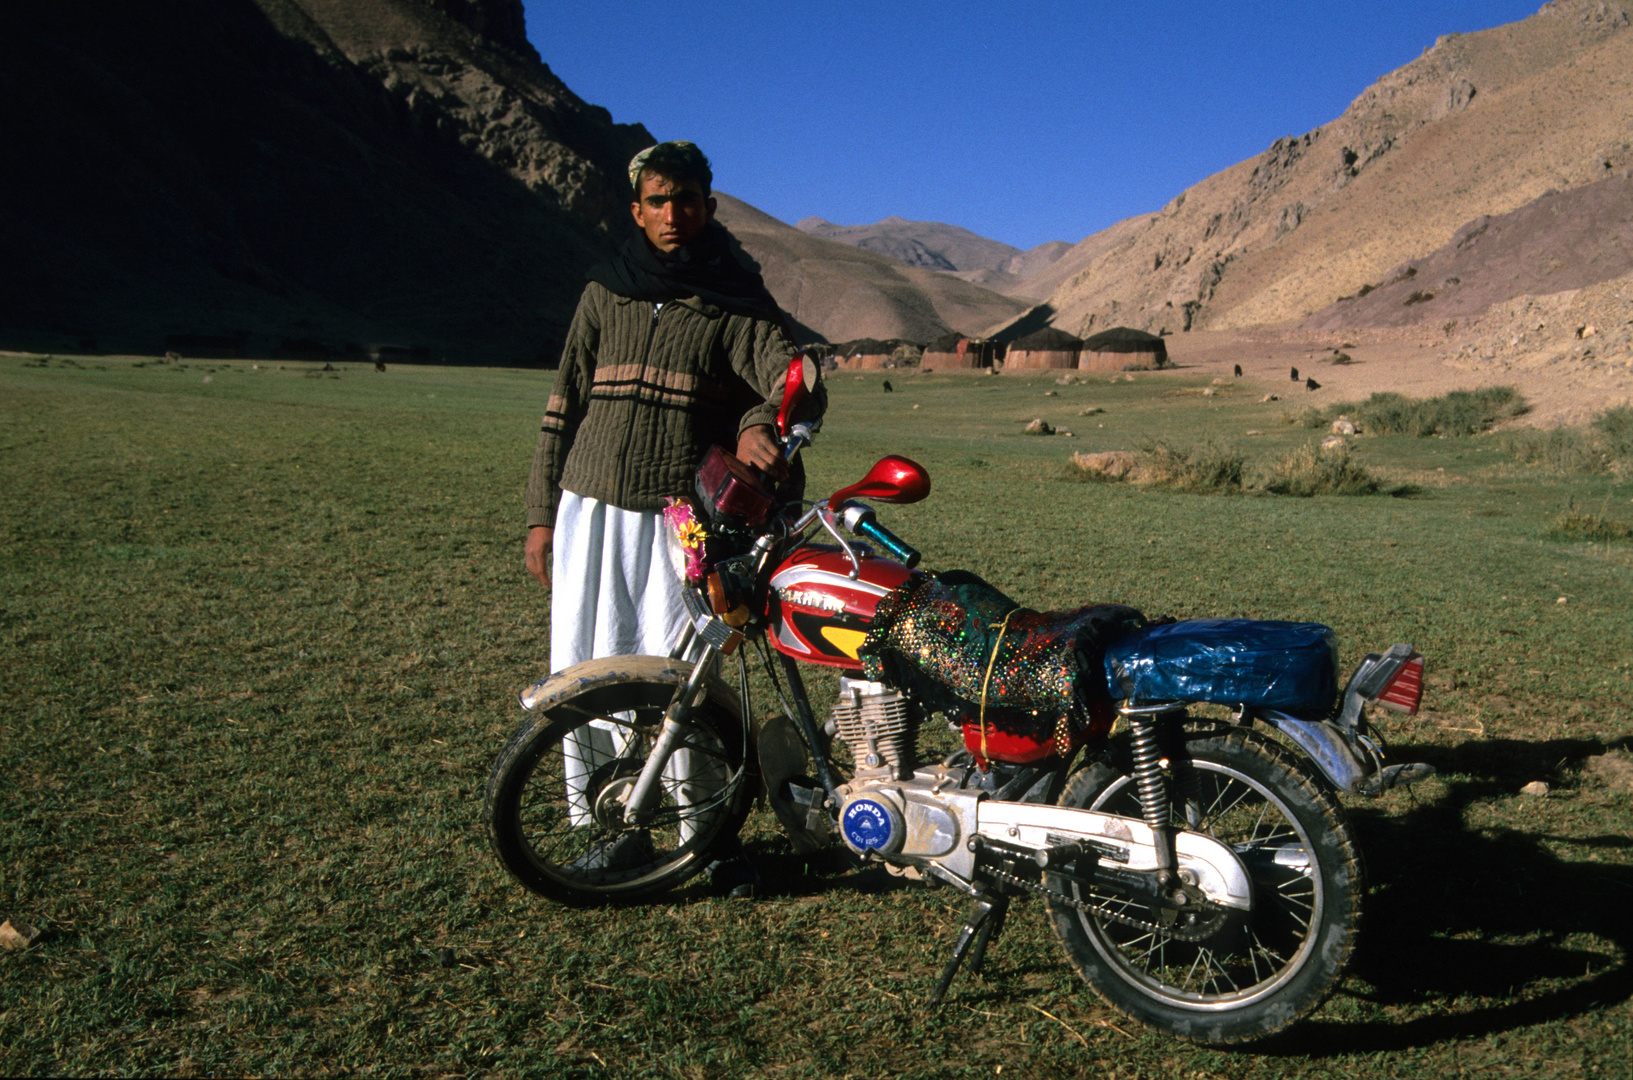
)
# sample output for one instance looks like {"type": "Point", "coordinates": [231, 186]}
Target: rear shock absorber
{"type": "Point", "coordinates": [1148, 780]}
{"type": "Point", "coordinates": [1148, 772]}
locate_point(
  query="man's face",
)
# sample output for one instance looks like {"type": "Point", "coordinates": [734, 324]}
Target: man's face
{"type": "Point", "coordinates": [671, 213]}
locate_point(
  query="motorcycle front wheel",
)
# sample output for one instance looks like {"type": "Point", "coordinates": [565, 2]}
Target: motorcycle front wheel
{"type": "Point", "coordinates": [555, 797]}
{"type": "Point", "coordinates": [1258, 972]}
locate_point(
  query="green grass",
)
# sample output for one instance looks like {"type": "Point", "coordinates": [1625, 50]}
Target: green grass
{"type": "Point", "coordinates": [261, 638]}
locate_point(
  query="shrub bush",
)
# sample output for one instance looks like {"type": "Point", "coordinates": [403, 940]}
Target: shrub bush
{"type": "Point", "coordinates": [1310, 470]}
{"type": "Point", "coordinates": [1211, 467]}
{"type": "Point", "coordinates": [1615, 427]}
{"type": "Point", "coordinates": [1581, 525]}
{"type": "Point", "coordinates": [1567, 451]}
{"type": "Point", "coordinates": [1461, 412]}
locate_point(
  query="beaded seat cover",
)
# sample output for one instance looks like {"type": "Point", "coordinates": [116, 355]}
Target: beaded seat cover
{"type": "Point", "coordinates": [937, 634]}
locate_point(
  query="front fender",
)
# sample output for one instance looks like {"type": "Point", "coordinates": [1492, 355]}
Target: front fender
{"type": "Point", "coordinates": [611, 670]}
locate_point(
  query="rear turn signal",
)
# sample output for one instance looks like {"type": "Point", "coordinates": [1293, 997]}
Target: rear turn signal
{"type": "Point", "coordinates": [1404, 691]}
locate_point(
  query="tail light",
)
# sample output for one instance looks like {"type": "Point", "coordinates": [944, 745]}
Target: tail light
{"type": "Point", "coordinates": [1404, 690]}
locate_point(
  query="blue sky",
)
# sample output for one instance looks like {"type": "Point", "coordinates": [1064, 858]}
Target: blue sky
{"type": "Point", "coordinates": [1025, 122]}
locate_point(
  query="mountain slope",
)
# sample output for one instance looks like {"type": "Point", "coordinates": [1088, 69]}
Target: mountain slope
{"type": "Point", "coordinates": [934, 245]}
{"type": "Point", "coordinates": [336, 172]}
{"type": "Point", "coordinates": [1481, 124]}
{"type": "Point", "coordinates": [844, 292]}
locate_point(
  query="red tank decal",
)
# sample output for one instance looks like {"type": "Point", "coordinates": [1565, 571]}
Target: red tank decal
{"type": "Point", "coordinates": [817, 610]}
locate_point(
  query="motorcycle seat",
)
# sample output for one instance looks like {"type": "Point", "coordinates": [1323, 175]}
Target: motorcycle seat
{"type": "Point", "coordinates": [1290, 666]}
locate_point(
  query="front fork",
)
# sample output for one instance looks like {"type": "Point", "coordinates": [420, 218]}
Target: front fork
{"type": "Point", "coordinates": [638, 810]}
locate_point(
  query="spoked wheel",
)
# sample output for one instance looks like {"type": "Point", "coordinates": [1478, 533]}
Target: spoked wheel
{"type": "Point", "coordinates": [556, 796]}
{"type": "Point", "coordinates": [1244, 976]}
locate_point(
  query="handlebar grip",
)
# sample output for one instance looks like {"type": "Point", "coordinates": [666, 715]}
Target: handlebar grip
{"type": "Point", "coordinates": [869, 527]}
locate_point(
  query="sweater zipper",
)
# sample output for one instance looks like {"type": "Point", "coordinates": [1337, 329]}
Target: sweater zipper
{"type": "Point", "coordinates": [629, 427]}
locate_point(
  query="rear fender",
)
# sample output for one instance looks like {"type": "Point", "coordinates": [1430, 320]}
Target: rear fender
{"type": "Point", "coordinates": [1340, 755]}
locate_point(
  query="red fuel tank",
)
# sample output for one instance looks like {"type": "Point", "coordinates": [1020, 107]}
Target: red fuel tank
{"type": "Point", "coordinates": [818, 614]}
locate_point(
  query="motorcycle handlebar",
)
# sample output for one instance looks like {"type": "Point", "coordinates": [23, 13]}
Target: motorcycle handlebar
{"type": "Point", "coordinates": [860, 520]}
{"type": "Point", "coordinates": [798, 436]}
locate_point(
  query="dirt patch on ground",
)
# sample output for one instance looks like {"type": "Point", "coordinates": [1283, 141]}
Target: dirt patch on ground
{"type": "Point", "coordinates": [1613, 770]}
{"type": "Point", "coordinates": [1569, 353]}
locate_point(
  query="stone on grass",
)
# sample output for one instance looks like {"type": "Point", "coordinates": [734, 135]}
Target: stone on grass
{"type": "Point", "coordinates": [17, 935]}
{"type": "Point", "coordinates": [1113, 464]}
{"type": "Point", "coordinates": [1535, 787]}
{"type": "Point", "coordinates": [1333, 442]}
{"type": "Point", "coordinates": [1270, 397]}
{"type": "Point", "coordinates": [1343, 426]}
{"type": "Point", "coordinates": [1039, 426]}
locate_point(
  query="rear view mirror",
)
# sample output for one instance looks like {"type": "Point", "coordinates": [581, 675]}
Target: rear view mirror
{"type": "Point", "coordinates": [797, 386]}
{"type": "Point", "coordinates": [892, 479]}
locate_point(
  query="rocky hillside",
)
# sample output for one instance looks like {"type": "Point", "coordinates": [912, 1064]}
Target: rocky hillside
{"type": "Point", "coordinates": [949, 248]}
{"type": "Point", "coordinates": [1513, 132]}
{"type": "Point", "coordinates": [841, 292]}
{"type": "Point", "coordinates": [296, 175]}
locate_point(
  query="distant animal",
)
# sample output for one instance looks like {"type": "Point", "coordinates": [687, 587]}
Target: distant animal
{"type": "Point", "coordinates": [888, 387]}
{"type": "Point", "coordinates": [1295, 374]}
{"type": "Point", "coordinates": [1238, 371]}
{"type": "Point", "coordinates": [379, 365]}
{"type": "Point", "coordinates": [1311, 384]}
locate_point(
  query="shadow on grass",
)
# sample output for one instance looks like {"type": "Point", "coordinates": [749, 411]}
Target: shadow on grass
{"type": "Point", "coordinates": [1470, 933]}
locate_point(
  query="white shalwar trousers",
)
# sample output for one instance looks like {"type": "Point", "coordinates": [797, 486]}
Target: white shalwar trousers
{"type": "Point", "coordinates": [616, 590]}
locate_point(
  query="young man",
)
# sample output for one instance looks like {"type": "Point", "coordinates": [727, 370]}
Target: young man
{"type": "Point", "coordinates": [675, 347]}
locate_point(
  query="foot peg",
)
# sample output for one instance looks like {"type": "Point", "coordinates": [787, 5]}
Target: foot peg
{"type": "Point", "coordinates": [1396, 776]}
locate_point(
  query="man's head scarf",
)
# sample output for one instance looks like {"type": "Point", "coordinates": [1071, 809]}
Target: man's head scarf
{"type": "Point", "coordinates": [638, 162]}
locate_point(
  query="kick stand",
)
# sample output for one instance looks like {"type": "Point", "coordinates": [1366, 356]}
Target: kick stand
{"type": "Point", "coordinates": [984, 922]}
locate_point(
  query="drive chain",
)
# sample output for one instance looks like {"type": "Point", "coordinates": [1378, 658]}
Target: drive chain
{"type": "Point", "coordinates": [1099, 911]}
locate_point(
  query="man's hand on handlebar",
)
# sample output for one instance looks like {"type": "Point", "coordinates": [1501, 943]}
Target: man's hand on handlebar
{"type": "Point", "coordinates": [537, 550]}
{"type": "Point", "coordinates": [757, 446]}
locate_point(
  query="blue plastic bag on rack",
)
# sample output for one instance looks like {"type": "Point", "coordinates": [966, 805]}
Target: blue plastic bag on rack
{"type": "Point", "coordinates": [1277, 665]}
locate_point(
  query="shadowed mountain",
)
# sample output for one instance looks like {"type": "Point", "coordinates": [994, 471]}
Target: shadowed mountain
{"type": "Point", "coordinates": [843, 292]}
{"type": "Point", "coordinates": [250, 175]}
{"type": "Point", "coordinates": [1483, 125]}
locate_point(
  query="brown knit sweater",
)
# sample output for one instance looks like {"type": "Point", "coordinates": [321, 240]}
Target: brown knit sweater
{"type": "Point", "coordinates": [644, 391]}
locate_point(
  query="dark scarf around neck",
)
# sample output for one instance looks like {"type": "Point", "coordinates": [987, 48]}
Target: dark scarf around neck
{"type": "Point", "coordinates": [704, 268]}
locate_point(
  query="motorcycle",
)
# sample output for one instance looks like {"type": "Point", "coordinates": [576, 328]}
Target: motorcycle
{"type": "Point", "coordinates": [1199, 870]}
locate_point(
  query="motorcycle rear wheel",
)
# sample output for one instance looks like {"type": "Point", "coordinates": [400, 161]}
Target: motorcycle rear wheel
{"type": "Point", "coordinates": [1259, 973]}
{"type": "Point", "coordinates": [552, 808]}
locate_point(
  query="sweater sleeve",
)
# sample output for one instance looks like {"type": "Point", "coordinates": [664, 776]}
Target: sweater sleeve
{"type": "Point", "coordinates": [760, 357]}
{"type": "Point", "coordinates": [569, 398]}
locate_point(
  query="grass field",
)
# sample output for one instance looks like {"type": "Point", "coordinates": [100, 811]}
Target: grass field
{"type": "Point", "coordinates": [261, 632]}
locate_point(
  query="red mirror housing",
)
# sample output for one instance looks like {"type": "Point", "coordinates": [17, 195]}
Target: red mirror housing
{"type": "Point", "coordinates": [892, 479]}
{"type": "Point", "coordinates": [797, 386]}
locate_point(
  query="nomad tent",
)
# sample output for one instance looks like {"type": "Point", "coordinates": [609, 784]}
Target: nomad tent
{"type": "Point", "coordinates": [865, 353]}
{"type": "Point", "coordinates": [1122, 348]}
{"type": "Point", "coordinates": [1046, 348]}
{"type": "Point", "coordinates": [953, 351]}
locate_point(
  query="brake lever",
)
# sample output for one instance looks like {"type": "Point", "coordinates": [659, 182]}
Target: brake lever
{"type": "Point", "coordinates": [826, 516]}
